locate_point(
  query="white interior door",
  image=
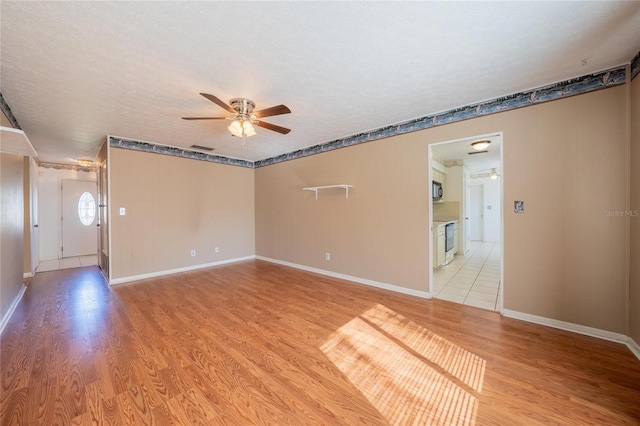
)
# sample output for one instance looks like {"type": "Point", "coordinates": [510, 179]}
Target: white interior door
{"type": "Point", "coordinates": [35, 231]}
{"type": "Point", "coordinates": [79, 232]}
{"type": "Point", "coordinates": [466, 237]}
{"type": "Point", "coordinates": [476, 219]}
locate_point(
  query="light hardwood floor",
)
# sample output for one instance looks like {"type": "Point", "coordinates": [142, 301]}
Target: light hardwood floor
{"type": "Point", "coordinates": [258, 343]}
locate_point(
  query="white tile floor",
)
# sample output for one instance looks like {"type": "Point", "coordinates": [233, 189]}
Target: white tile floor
{"type": "Point", "coordinates": [67, 263]}
{"type": "Point", "coordinates": [472, 279]}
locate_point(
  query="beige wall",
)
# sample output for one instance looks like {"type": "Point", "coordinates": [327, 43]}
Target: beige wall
{"type": "Point", "coordinates": [11, 229]}
{"type": "Point", "coordinates": [564, 258]}
{"type": "Point", "coordinates": [102, 154]}
{"type": "Point", "coordinates": [634, 272]}
{"type": "Point", "coordinates": [379, 233]}
{"type": "Point", "coordinates": [175, 205]}
{"type": "Point", "coordinates": [4, 121]}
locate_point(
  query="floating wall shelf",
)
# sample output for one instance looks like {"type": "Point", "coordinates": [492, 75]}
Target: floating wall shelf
{"type": "Point", "coordinates": [316, 188]}
{"type": "Point", "coordinates": [14, 141]}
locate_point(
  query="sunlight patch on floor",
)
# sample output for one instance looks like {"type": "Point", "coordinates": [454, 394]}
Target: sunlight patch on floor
{"type": "Point", "coordinates": [409, 374]}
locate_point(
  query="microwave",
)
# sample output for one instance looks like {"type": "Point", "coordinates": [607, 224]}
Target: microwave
{"type": "Point", "coordinates": [436, 191]}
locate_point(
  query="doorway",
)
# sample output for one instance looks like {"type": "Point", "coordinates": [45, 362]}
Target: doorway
{"type": "Point", "coordinates": [472, 186]}
{"type": "Point", "coordinates": [79, 208]}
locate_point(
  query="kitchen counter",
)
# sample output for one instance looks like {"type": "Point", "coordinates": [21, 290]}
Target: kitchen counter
{"type": "Point", "coordinates": [444, 223]}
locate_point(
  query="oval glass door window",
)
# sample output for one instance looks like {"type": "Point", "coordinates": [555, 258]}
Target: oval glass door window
{"type": "Point", "coordinates": [87, 209]}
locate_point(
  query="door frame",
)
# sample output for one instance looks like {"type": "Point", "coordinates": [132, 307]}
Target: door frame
{"type": "Point", "coordinates": [104, 229]}
{"type": "Point", "coordinates": [430, 146]}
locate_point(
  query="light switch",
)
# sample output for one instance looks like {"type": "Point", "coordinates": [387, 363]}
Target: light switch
{"type": "Point", "coordinates": [121, 211]}
{"type": "Point", "coordinates": [518, 206]}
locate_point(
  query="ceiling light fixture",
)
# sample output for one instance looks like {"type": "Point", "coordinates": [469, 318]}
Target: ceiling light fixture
{"type": "Point", "coordinates": [242, 128]}
{"type": "Point", "coordinates": [480, 145]}
{"type": "Point", "coordinates": [242, 125]}
{"type": "Point", "coordinates": [84, 162]}
{"type": "Point", "coordinates": [494, 174]}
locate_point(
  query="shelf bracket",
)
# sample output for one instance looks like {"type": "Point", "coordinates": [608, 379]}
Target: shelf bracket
{"type": "Point", "coordinates": [316, 188]}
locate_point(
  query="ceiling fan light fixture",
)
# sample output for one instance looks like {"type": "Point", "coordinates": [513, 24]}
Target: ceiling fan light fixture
{"type": "Point", "coordinates": [241, 128]}
{"type": "Point", "coordinates": [84, 162]}
{"type": "Point", "coordinates": [235, 128]}
{"type": "Point", "coordinates": [248, 129]}
{"type": "Point", "coordinates": [481, 145]}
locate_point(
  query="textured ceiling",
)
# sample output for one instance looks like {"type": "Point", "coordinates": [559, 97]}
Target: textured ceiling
{"type": "Point", "coordinates": [73, 72]}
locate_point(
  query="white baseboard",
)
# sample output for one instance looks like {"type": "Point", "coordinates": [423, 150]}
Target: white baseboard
{"type": "Point", "coordinates": [392, 287]}
{"type": "Point", "coordinates": [14, 304]}
{"type": "Point", "coordinates": [178, 270]}
{"type": "Point", "coordinates": [27, 275]}
{"type": "Point", "coordinates": [567, 326]}
{"type": "Point", "coordinates": [633, 347]}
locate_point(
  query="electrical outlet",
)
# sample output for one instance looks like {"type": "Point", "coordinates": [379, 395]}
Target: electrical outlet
{"type": "Point", "coordinates": [217, 250]}
{"type": "Point", "coordinates": [327, 256]}
{"type": "Point", "coordinates": [193, 253]}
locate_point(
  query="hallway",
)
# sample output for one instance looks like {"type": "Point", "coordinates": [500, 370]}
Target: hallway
{"type": "Point", "coordinates": [473, 279]}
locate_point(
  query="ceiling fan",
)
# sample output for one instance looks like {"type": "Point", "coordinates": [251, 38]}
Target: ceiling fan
{"type": "Point", "coordinates": [245, 117]}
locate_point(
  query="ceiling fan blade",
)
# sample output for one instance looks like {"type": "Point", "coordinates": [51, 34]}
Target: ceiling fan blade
{"type": "Point", "coordinates": [218, 102]}
{"type": "Point", "coordinates": [273, 127]}
{"type": "Point", "coordinates": [268, 112]}
{"type": "Point", "coordinates": [203, 118]}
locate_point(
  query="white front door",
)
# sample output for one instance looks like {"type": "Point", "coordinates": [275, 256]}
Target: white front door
{"type": "Point", "coordinates": [79, 208]}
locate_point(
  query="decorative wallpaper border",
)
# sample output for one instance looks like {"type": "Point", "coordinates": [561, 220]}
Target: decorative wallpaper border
{"type": "Point", "coordinates": [576, 86]}
{"type": "Point", "coordinates": [4, 106]}
{"type": "Point", "coordinates": [635, 66]}
{"type": "Point", "coordinates": [116, 142]}
{"type": "Point", "coordinates": [564, 89]}
{"type": "Point", "coordinates": [76, 168]}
